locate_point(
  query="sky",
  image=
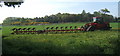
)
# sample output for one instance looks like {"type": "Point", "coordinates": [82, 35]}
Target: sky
{"type": "Point", "coordinates": [40, 8]}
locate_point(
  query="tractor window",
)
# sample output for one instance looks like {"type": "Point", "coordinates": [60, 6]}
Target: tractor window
{"type": "Point", "coordinates": [97, 20]}
{"type": "Point", "coordinates": [94, 19]}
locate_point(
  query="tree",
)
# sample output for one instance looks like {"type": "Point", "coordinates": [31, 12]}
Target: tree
{"type": "Point", "coordinates": [83, 12]}
{"type": "Point", "coordinates": [106, 17]}
{"type": "Point", "coordinates": [104, 11]}
{"type": "Point", "coordinates": [62, 18]}
{"type": "Point", "coordinates": [11, 3]}
{"type": "Point", "coordinates": [83, 16]}
{"type": "Point", "coordinates": [97, 13]}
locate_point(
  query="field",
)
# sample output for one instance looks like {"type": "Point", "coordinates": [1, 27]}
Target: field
{"type": "Point", "coordinates": [96, 42]}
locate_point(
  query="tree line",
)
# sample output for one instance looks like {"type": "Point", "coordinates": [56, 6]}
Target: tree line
{"type": "Point", "coordinates": [65, 18]}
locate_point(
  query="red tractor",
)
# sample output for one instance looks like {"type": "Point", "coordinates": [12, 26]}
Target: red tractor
{"type": "Point", "coordinates": [97, 24]}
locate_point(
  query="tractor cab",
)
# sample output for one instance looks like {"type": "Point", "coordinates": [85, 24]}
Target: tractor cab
{"type": "Point", "coordinates": [98, 20]}
{"type": "Point", "coordinates": [97, 24]}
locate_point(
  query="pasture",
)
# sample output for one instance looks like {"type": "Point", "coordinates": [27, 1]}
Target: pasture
{"type": "Point", "coordinates": [95, 42]}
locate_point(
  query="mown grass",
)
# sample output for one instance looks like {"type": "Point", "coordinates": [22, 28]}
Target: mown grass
{"type": "Point", "coordinates": [96, 42]}
{"type": "Point", "coordinates": [7, 29]}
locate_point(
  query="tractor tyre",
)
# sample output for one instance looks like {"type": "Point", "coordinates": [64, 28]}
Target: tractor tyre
{"type": "Point", "coordinates": [107, 28]}
{"type": "Point", "coordinates": [90, 28]}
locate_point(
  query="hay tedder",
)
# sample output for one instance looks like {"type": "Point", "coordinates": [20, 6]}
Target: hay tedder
{"type": "Point", "coordinates": [97, 24]}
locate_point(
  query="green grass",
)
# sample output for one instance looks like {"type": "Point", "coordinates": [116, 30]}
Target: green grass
{"type": "Point", "coordinates": [114, 25]}
{"type": "Point", "coordinates": [7, 29]}
{"type": "Point", "coordinates": [96, 42]}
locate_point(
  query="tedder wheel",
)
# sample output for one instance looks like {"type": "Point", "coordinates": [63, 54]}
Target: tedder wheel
{"type": "Point", "coordinates": [40, 31]}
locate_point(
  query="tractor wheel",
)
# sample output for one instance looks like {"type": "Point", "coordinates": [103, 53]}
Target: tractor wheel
{"type": "Point", "coordinates": [107, 28]}
{"type": "Point", "coordinates": [90, 28]}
